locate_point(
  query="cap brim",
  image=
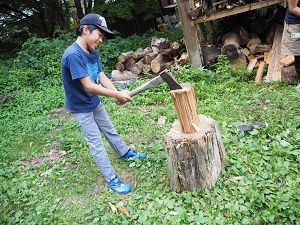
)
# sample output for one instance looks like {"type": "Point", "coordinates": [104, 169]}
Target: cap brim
{"type": "Point", "coordinates": [109, 34]}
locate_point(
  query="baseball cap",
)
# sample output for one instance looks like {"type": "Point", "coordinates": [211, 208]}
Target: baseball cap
{"type": "Point", "coordinates": [99, 21]}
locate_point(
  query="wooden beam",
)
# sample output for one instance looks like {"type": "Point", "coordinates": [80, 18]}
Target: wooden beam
{"type": "Point", "coordinates": [189, 32]}
{"type": "Point", "coordinates": [237, 10]}
{"type": "Point", "coordinates": [274, 69]}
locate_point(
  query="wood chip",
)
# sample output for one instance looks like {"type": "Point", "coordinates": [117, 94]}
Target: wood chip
{"type": "Point", "coordinates": [234, 179]}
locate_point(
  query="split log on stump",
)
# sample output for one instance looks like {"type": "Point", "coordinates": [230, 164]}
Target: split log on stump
{"type": "Point", "coordinates": [289, 73]}
{"type": "Point", "coordinates": [124, 56]}
{"type": "Point", "coordinates": [137, 68]}
{"type": "Point", "coordinates": [195, 151]}
{"type": "Point", "coordinates": [140, 54]}
{"type": "Point", "coordinates": [117, 75]}
{"type": "Point", "coordinates": [129, 63]}
{"type": "Point", "coordinates": [120, 66]}
{"type": "Point", "coordinates": [146, 68]}
{"type": "Point", "coordinates": [158, 64]}
{"type": "Point", "coordinates": [149, 57]}
{"type": "Point", "coordinates": [195, 160]}
{"type": "Point", "coordinates": [186, 107]}
{"type": "Point", "coordinates": [231, 44]}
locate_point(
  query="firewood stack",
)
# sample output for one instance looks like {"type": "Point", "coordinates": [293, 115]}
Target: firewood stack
{"type": "Point", "coordinates": [206, 7]}
{"type": "Point", "coordinates": [162, 54]}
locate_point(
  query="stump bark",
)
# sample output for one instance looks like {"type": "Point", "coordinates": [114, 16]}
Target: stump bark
{"type": "Point", "coordinates": [195, 151]}
{"type": "Point", "coordinates": [195, 160]}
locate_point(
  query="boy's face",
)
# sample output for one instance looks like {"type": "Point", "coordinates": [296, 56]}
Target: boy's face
{"type": "Point", "coordinates": [94, 38]}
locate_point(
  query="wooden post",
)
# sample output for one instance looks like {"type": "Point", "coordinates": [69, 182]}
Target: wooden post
{"type": "Point", "coordinates": [195, 151]}
{"type": "Point", "coordinates": [189, 32]}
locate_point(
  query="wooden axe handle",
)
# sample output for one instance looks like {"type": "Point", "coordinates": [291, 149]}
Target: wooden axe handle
{"type": "Point", "coordinates": [150, 84]}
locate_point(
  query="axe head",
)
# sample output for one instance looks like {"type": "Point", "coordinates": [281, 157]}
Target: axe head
{"type": "Point", "coordinates": [168, 77]}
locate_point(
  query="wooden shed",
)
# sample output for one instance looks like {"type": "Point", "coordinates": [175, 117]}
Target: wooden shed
{"type": "Point", "coordinates": [192, 18]}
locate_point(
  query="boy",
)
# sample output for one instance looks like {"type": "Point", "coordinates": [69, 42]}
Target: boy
{"type": "Point", "coordinates": [83, 80]}
{"type": "Point", "coordinates": [290, 45]}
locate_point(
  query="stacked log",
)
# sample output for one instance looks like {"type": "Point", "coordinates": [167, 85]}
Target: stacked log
{"type": "Point", "coordinates": [162, 54]}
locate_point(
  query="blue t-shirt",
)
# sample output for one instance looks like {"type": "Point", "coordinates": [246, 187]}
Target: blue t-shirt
{"type": "Point", "coordinates": [76, 63]}
{"type": "Point", "coordinates": [290, 18]}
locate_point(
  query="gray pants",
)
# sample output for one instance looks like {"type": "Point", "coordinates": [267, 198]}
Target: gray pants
{"type": "Point", "coordinates": [91, 124]}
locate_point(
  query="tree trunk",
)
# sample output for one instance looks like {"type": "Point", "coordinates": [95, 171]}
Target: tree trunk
{"type": "Point", "coordinates": [195, 160]}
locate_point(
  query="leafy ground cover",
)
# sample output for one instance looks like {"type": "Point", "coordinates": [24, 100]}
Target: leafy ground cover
{"type": "Point", "coordinates": [47, 175]}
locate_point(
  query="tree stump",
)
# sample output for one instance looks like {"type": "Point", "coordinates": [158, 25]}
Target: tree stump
{"type": "Point", "coordinates": [195, 151]}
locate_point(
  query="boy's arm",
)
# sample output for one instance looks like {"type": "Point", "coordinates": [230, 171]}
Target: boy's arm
{"type": "Point", "coordinates": [105, 82]}
{"type": "Point", "coordinates": [122, 96]}
{"type": "Point", "coordinates": [294, 8]}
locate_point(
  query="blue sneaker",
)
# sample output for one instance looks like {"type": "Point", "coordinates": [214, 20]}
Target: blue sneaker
{"type": "Point", "coordinates": [133, 154]}
{"type": "Point", "coordinates": [118, 186]}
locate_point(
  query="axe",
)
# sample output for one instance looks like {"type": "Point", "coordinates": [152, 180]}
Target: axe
{"type": "Point", "coordinates": [164, 76]}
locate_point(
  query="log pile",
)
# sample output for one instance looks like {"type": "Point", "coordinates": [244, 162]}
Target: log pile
{"type": "Point", "coordinates": [207, 7]}
{"type": "Point", "coordinates": [250, 51]}
{"type": "Point", "coordinates": [162, 54]}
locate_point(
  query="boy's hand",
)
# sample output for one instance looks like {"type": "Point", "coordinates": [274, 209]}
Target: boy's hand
{"type": "Point", "coordinates": [123, 97]}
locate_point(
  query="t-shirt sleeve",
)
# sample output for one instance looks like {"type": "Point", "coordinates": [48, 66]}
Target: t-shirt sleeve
{"type": "Point", "coordinates": [77, 67]}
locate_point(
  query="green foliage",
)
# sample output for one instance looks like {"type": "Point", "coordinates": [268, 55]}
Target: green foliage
{"type": "Point", "coordinates": [127, 9]}
{"type": "Point", "coordinates": [71, 189]}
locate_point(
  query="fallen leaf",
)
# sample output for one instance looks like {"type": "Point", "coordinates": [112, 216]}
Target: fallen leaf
{"type": "Point", "coordinates": [113, 208]}
{"type": "Point", "coordinates": [240, 211]}
{"type": "Point", "coordinates": [46, 172]}
{"type": "Point", "coordinates": [174, 213]}
{"type": "Point", "coordinates": [122, 208]}
{"type": "Point", "coordinates": [250, 171]}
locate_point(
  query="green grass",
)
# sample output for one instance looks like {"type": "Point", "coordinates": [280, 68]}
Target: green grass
{"type": "Point", "coordinates": [70, 189]}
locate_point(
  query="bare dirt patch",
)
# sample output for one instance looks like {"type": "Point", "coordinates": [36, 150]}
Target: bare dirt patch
{"type": "Point", "coordinates": [38, 161]}
{"type": "Point", "coordinates": [59, 113]}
